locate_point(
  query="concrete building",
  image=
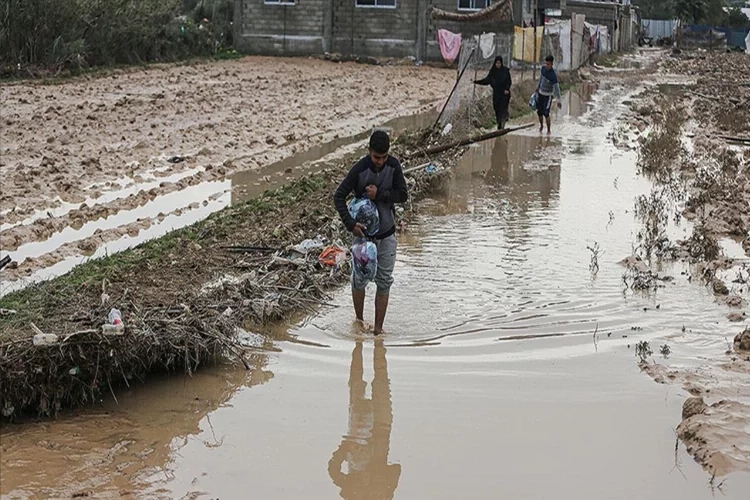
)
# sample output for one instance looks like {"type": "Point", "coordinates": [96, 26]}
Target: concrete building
{"type": "Point", "coordinates": [403, 28]}
{"type": "Point", "coordinates": [618, 15]}
{"type": "Point", "coordinates": [377, 28]}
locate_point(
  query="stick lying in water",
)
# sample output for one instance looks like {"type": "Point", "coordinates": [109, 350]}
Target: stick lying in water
{"type": "Point", "coordinates": [472, 140]}
{"type": "Point", "coordinates": [729, 138]}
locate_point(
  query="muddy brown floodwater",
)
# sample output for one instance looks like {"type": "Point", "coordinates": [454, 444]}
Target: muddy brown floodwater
{"type": "Point", "coordinates": [508, 370]}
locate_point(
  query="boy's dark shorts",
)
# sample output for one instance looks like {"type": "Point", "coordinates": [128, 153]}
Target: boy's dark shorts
{"type": "Point", "coordinates": [543, 105]}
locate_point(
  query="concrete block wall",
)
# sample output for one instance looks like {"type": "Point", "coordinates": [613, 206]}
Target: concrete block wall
{"type": "Point", "coordinates": [275, 29]}
{"type": "Point", "coordinates": [376, 32]}
{"type": "Point", "coordinates": [316, 26]}
{"type": "Point", "coordinates": [627, 32]}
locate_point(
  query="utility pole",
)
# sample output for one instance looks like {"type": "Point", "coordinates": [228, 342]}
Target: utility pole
{"type": "Point", "coordinates": [536, 22]}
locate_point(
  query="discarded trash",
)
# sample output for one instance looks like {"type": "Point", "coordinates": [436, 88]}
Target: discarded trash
{"type": "Point", "coordinates": [247, 339]}
{"type": "Point", "coordinates": [5, 261]}
{"type": "Point", "coordinates": [74, 371]}
{"type": "Point", "coordinates": [307, 245]}
{"type": "Point", "coordinates": [115, 325]}
{"type": "Point", "coordinates": [364, 211]}
{"type": "Point", "coordinates": [228, 312]}
{"type": "Point", "coordinates": [277, 260]}
{"type": "Point", "coordinates": [447, 129]}
{"type": "Point", "coordinates": [431, 169]}
{"type": "Point", "coordinates": [45, 339]}
{"type": "Point", "coordinates": [332, 255]}
{"type": "Point", "coordinates": [115, 317]}
{"type": "Point", "coordinates": [176, 159]}
{"type": "Point", "coordinates": [365, 259]}
{"type": "Point", "coordinates": [8, 409]}
{"type": "Point", "coordinates": [7, 312]}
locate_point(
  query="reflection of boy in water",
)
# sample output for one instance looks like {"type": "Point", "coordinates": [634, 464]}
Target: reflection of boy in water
{"type": "Point", "coordinates": [365, 448]}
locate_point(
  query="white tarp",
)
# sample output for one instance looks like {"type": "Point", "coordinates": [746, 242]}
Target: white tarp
{"type": "Point", "coordinates": [605, 45]}
{"type": "Point", "coordinates": [747, 43]}
{"type": "Point", "coordinates": [562, 29]}
{"type": "Point", "coordinates": [656, 28]}
{"type": "Point", "coordinates": [601, 33]}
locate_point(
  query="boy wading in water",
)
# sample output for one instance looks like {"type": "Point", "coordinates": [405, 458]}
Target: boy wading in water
{"type": "Point", "coordinates": [379, 176]}
{"type": "Point", "coordinates": [548, 84]}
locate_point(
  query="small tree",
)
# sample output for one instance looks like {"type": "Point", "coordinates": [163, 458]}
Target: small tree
{"type": "Point", "coordinates": [735, 18]}
{"type": "Point", "coordinates": [691, 11]}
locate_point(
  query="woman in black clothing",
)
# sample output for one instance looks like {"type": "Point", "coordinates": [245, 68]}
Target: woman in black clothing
{"type": "Point", "coordinates": [500, 81]}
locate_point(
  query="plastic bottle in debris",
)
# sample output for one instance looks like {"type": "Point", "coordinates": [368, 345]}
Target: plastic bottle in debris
{"type": "Point", "coordinates": [45, 339]}
{"type": "Point", "coordinates": [340, 258]}
{"type": "Point", "coordinates": [115, 325]}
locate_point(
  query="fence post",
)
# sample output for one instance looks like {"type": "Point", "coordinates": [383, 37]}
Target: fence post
{"type": "Point", "coordinates": [327, 26]}
{"type": "Point", "coordinates": [421, 49]}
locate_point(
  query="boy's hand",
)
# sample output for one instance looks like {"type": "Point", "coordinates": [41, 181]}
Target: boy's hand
{"type": "Point", "coordinates": [359, 230]}
{"type": "Point", "coordinates": [372, 191]}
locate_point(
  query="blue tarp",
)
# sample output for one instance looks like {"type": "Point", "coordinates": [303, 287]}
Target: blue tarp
{"type": "Point", "coordinates": [734, 37]}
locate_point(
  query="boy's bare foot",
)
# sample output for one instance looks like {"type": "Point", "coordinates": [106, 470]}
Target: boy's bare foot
{"type": "Point", "coordinates": [362, 326]}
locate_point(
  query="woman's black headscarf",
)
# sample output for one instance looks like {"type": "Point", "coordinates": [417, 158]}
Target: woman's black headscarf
{"type": "Point", "coordinates": [494, 71]}
{"type": "Point", "coordinates": [497, 78]}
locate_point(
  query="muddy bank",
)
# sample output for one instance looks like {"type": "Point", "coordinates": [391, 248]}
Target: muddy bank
{"type": "Point", "coordinates": [59, 140]}
{"type": "Point", "coordinates": [696, 152]}
{"type": "Point", "coordinates": [91, 150]}
{"type": "Point", "coordinates": [183, 298]}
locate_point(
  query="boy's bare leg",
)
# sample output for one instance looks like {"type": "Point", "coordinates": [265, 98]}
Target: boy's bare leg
{"type": "Point", "coordinates": [358, 297]}
{"type": "Point", "coordinates": [381, 306]}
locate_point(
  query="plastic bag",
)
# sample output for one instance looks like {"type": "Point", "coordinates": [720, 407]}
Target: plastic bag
{"type": "Point", "coordinates": [365, 259]}
{"type": "Point", "coordinates": [532, 101]}
{"type": "Point", "coordinates": [332, 256]}
{"type": "Point", "coordinates": [364, 211]}
{"type": "Point", "coordinates": [305, 246]}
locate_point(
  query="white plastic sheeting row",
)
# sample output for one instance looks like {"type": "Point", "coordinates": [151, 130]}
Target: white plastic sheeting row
{"type": "Point", "coordinates": [573, 41]}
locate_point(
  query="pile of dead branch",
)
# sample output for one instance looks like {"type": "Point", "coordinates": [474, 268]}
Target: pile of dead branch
{"type": "Point", "coordinates": [187, 298]}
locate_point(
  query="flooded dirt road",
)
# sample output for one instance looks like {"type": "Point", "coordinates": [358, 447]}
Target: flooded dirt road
{"type": "Point", "coordinates": [508, 370]}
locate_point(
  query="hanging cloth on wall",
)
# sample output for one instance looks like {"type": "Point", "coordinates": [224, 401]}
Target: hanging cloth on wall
{"type": "Point", "coordinates": [450, 44]}
{"type": "Point", "coordinates": [487, 45]}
